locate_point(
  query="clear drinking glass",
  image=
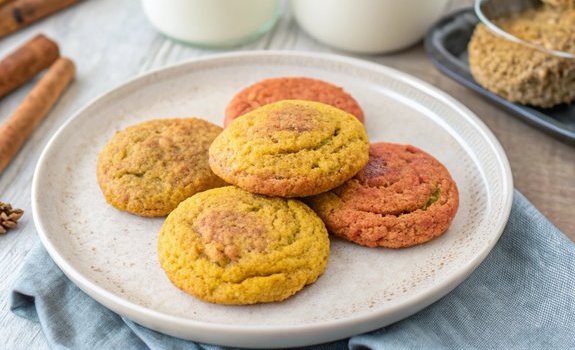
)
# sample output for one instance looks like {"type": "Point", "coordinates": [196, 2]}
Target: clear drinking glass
{"type": "Point", "coordinates": [490, 10]}
{"type": "Point", "coordinates": [367, 26]}
{"type": "Point", "coordinates": [212, 23]}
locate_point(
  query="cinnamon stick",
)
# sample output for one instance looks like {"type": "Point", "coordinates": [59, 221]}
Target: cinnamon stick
{"type": "Point", "coordinates": [27, 61]}
{"type": "Point", "coordinates": [34, 108]}
{"type": "Point", "coordinates": [18, 14]}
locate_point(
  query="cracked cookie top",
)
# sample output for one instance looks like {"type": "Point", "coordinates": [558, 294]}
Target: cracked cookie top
{"type": "Point", "coordinates": [149, 168]}
{"type": "Point", "coordinates": [290, 148]}
{"type": "Point", "coordinates": [230, 246]}
{"type": "Point", "coordinates": [290, 88]}
{"type": "Point", "coordinates": [401, 198]}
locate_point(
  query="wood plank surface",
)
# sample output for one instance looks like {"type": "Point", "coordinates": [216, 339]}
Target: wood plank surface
{"type": "Point", "coordinates": [111, 41]}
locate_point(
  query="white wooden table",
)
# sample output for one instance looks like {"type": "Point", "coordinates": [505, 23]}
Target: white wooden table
{"type": "Point", "coordinates": [111, 41]}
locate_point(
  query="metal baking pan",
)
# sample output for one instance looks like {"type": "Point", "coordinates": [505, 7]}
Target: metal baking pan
{"type": "Point", "coordinates": [446, 44]}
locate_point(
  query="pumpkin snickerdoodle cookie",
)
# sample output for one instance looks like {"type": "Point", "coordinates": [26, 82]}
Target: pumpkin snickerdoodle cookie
{"type": "Point", "coordinates": [149, 168]}
{"type": "Point", "coordinates": [401, 198]}
{"type": "Point", "coordinates": [290, 88]}
{"type": "Point", "coordinates": [230, 246]}
{"type": "Point", "coordinates": [290, 148]}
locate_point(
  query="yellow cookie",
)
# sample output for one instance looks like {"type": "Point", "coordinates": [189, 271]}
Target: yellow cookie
{"type": "Point", "coordinates": [149, 168]}
{"type": "Point", "coordinates": [290, 148]}
{"type": "Point", "coordinates": [229, 246]}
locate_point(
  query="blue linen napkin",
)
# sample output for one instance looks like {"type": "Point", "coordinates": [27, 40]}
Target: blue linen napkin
{"type": "Point", "coordinates": [521, 297]}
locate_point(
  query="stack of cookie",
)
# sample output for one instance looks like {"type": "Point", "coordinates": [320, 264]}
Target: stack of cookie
{"type": "Point", "coordinates": [253, 242]}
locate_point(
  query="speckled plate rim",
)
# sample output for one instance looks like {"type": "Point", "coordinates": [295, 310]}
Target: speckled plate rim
{"type": "Point", "coordinates": [293, 335]}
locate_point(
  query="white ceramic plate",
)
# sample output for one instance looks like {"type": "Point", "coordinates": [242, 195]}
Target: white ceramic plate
{"type": "Point", "coordinates": [111, 255]}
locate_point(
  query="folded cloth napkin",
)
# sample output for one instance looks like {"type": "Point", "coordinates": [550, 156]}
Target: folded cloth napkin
{"type": "Point", "coordinates": [521, 297]}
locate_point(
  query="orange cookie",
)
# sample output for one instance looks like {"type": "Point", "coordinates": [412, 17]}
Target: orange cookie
{"type": "Point", "coordinates": [292, 88]}
{"type": "Point", "coordinates": [402, 197]}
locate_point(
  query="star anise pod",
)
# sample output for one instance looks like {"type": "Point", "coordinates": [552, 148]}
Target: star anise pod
{"type": "Point", "coordinates": [9, 217]}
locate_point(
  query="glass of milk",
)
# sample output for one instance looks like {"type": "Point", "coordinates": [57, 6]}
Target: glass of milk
{"type": "Point", "coordinates": [367, 26]}
{"type": "Point", "coordinates": [212, 23]}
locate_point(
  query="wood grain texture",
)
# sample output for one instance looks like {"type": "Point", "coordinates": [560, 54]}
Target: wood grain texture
{"type": "Point", "coordinates": [112, 41]}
